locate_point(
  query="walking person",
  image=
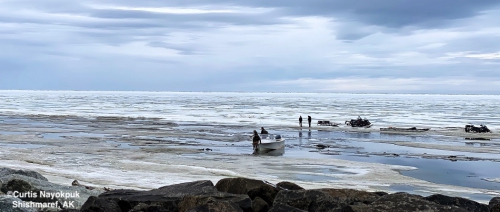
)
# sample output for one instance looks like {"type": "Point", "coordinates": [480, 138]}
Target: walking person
{"type": "Point", "coordinates": [300, 121]}
{"type": "Point", "coordinates": [256, 139]}
{"type": "Point", "coordinates": [309, 121]}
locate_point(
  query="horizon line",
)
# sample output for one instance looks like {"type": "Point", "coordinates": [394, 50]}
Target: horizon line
{"type": "Point", "coordinates": [153, 91]}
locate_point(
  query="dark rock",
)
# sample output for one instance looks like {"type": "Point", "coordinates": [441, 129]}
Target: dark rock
{"type": "Point", "coordinates": [216, 207]}
{"type": "Point", "coordinates": [95, 204]}
{"type": "Point", "coordinates": [259, 205]}
{"type": "Point", "coordinates": [251, 187]}
{"type": "Point", "coordinates": [495, 208]}
{"type": "Point", "coordinates": [288, 186]}
{"type": "Point", "coordinates": [16, 185]}
{"type": "Point", "coordinates": [24, 183]}
{"type": "Point", "coordinates": [463, 203]}
{"type": "Point", "coordinates": [402, 202]}
{"type": "Point", "coordinates": [494, 201]}
{"type": "Point", "coordinates": [26, 191]}
{"type": "Point", "coordinates": [6, 205]}
{"type": "Point", "coordinates": [33, 174]}
{"type": "Point", "coordinates": [351, 196]}
{"type": "Point", "coordinates": [279, 207]}
{"type": "Point", "coordinates": [310, 200]}
{"type": "Point", "coordinates": [155, 207]}
{"type": "Point", "coordinates": [179, 197]}
{"type": "Point", "coordinates": [241, 201]}
{"type": "Point", "coordinates": [321, 146]}
{"type": "Point", "coordinates": [380, 193]}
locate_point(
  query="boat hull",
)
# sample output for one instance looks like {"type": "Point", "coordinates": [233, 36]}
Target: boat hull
{"type": "Point", "coordinates": [269, 145]}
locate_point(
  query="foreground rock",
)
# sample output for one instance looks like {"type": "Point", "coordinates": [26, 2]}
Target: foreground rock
{"type": "Point", "coordinates": [197, 196]}
{"type": "Point", "coordinates": [460, 202]}
{"type": "Point", "coordinates": [404, 202]}
{"type": "Point", "coordinates": [352, 197]}
{"type": "Point", "coordinates": [252, 188]}
{"type": "Point", "coordinates": [32, 174]}
{"type": "Point", "coordinates": [495, 204]}
{"type": "Point", "coordinates": [288, 186]}
{"type": "Point", "coordinates": [308, 200]}
{"type": "Point", "coordinates": [7, 202]}
{"type": "Point", "coordinates": [230, 194]}
{"type": "Point", "coordinates": [30, 186]}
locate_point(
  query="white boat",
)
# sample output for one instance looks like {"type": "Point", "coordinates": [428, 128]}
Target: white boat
{"type": "Point", "coordinates": [270, 143]}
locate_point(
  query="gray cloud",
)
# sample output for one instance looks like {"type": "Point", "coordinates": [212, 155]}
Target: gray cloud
{"type": "Point", "coordinates": [248, 45]}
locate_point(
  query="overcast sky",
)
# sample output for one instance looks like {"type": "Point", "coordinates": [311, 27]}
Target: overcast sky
{"type": "Point", "coordinates": [353, 46]}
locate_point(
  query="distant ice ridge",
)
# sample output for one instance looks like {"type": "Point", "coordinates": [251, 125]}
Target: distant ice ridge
{"type": "Point", "coordinates": [266, 109]}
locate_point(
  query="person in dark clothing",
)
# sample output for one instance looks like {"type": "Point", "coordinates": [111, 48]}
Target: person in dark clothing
{"type": "Point", "coordinates": [309, 120]}
{"type": "Point", "coordinates": [263, 131]}
{"type": "Point", "coordinates": [300, 121]}
{"type": "Point", "coordinates": [256, 139]}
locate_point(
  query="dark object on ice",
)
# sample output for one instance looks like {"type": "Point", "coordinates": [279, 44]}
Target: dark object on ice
{"type": "Point", "coordinates": [327, 123]}
{"type": "Point", "coordinates": [484, 139]}
{"type": "Point", "coordinates": [263, 131]}
{"type": "Point", "coordinates": [321, 146]}
{"type": "Point", "coordinates": [359, 122]}
{"type": "Point", "coordinates": [399, 129]}
{"type": "Point", "coordinates": [473, 129]}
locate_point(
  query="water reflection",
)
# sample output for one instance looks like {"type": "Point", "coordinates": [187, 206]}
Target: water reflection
{"type": "Point", "coordinates": [276, 152]}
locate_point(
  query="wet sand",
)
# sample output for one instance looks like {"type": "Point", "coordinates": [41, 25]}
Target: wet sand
{"type": "Point", "coordinates": [148, 153]}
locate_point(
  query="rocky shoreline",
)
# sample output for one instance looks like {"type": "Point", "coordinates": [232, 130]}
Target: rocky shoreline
{"type": "Point", "coordinates": [20, 187]}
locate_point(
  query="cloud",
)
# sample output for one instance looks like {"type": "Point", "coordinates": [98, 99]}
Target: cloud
{"type": "Point", "coordinates": [236, 45]}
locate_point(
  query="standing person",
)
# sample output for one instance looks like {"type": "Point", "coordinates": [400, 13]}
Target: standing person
{"type": "Point", "coordinates": [256, 139]}
{"type": "Point", "coordinates": [300, 121]}
{"type": "Point", "coordinates": [309, 121]}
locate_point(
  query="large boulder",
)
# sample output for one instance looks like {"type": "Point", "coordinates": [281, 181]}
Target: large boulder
{"type": "Point", "coordinates": [22, 183]}
{"type": "Point", "coordinates": [279, 207]}
{"type": "Point", "coordinates": [178, 197]}
{"type": "Point", "coordinates": [309, 200]}
{"type": "Point", "coordinates": [460, 202]}
{"type": "Point", "coordinates": [95, 204]}
{"type": "Point", "coordinates": [495, 208]}
{"type": "Point", "coordinates": [251, 187]}
{"type": "Point", "coordinates": [7, 205]}
{"type": "Point", "coordinates": [402, 202]}
{"type": "Point", "coordinates": [288, 186]}
{"type": "Point", "coordinates": [33, 174]}
{"type": "Point", "coordinates": [351, 196]}
{"type": "Point", "coordinates": [216, 207]}
{"type": "Point", "coordinates": [494, 201]}
{"type": "Point", "coordinates": [243, 202]}
{"type": "Point", "coordinates": [259, 205]}
{"type": "Point", "coordinates": [25, 191]}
